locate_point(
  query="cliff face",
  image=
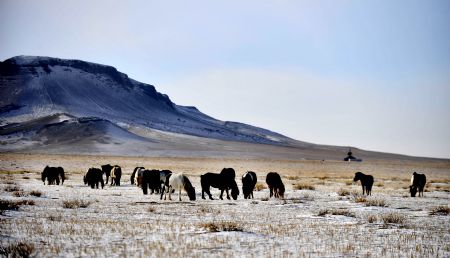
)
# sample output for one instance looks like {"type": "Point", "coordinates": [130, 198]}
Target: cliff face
{"type": "Point", "coordinates": [36, 87]}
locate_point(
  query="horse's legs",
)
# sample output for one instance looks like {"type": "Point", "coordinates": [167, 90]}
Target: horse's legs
{"type": "Point", "coordinates": [162, 191]}
{"type": "Point", "coordinates": [228, 196]}
{"type": "Point", "coordinates": [221, 194]}
{"type": "Point", "coordinates": [203, 193]}
{"type": "Point", "coordinates": [271, 192]}
{"type": "Point", "coordinates": [170, 194]}
{"type": "Point", "coordinates": [179, 195]}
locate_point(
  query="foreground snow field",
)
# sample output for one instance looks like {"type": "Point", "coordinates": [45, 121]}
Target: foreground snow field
{"type": "Point", "coordinates": [323, 213]}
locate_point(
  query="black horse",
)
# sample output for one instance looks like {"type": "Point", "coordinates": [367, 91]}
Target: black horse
{"type": "Point", "coordinates": [248, 184]}
{"type": "Point", "coordinates": [151, 180]}
{"type": "Point", "coordinates": [107, 171]}
{"type": "Point", "coordinates": [418, 182]}
{"type": "Point", "coordinates": [53, 175]}
{"type": "Point", "coordinates": [224, 181]}
{"type": "Point", "coordinates": [366, 182]}
{"type": "Point", "coordinates": [275, 184]}
{"type": "Point", "coordinates": [93, 177]}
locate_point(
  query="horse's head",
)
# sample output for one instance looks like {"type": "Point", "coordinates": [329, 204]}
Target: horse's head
{"type": "Point", "coordinates": [357, 177]}
{"type": "Point", "coordinates": [234, 190]}
{"type": "Point", "coordinates": [413, 190]}
{"type": "Point", "coordinates": [191, 193]}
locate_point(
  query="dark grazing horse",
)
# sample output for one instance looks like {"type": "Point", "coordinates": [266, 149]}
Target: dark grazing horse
{"type": "Point", "coordinates": [116, 174]}
{"type": "Point", "coordinates": [248, 184]}
{"type": "Point", "coordinates": [53, 175]}
{"type": "Point", "coordinates": [107, 171]}
{"type": "Point", "coordinates": [366, 182]}
{"type": "Point", "coordinates": [93, 177]}
{"type": "Point", "coordinates": [224, 181]}
{"type": "Point", "coordinates": [151, 180]}
{"type": "Point", "coordinates": [275, 184]}
{"type": "Point", "coordinates": [418, 182]}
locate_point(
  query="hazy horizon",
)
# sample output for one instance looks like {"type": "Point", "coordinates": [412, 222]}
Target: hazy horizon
{"type": "Point", "coordinates": [373, 74]}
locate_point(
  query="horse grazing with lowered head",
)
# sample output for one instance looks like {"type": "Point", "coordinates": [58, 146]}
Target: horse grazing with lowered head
{"type": "Point", "coordinates": [53, 175]}
{"type": "Point", "coordinates": [136, 176]}
{"type": "Point", "coordinates": [224, 181]}
{"type": "Point", "coordinates": [116, 174]}
{"type": "Point", "coordinates": [150, 180]}
{"type": "Point", "coordinates": [106, 169]}
{"type": "Point", "coordinates": [418, 182]}
{"type": "Point", "coordinates": [366, 182]}
{"type": "Point", "coordinates": [179, 181]}
{"type": "Point", "coordinates": [248, 184]}
{"type": "Point", "coordinates": [93, 178]}
{"type": "Point", "coordinates": [275, 184]}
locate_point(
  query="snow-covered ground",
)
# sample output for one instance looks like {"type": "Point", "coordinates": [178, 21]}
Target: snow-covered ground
{"type": "Point", "coordinates": [122, 222]}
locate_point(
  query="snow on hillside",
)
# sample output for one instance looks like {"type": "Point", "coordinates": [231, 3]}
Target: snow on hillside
{"type": "Point", "coordinates": [36, 87]}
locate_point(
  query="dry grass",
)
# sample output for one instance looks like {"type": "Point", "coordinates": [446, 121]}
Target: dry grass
{"type": "Point", "coordinates": [379, 184]}
{"type": "Point", "coordinates": [340, 212]}
{"type": "Point", "coordinates": [440, 210]}
{"type": "Point", "coordinates": [371, 218]}
{"type": "Point", "coordinates": [36, 193]}
{"type": "Point", "coordinates": [260, 186]}
{"type": "Point", "coordinates": [303, 186]}
{"type": "Point", "coordinates": [270, 227]}
{"type": "Point", "coordinates": [13, 205]}
{"type": "Point", "coordinates": [73, 204]}
{"type": "Point", "coordinates": [151, 209]}
{"type": "Point", "coordinates": [293, 177]}
{"type": "Point", "coordinates": [19, 193]}
{"type": "Point", "coordinates": [343, 192]}
{"type": "Point", "coordinates": [360, 199]}
{"type": "Point", "coordinates": [222, 226]}
{"type": "Point", "coordinates": [393, 217]}
{"type": "Point", "coordinates": [375, 202]}
{"type": "Point", "coordinates": [18, 249]}
{"type": "Point", "coordinates": [12, 188]}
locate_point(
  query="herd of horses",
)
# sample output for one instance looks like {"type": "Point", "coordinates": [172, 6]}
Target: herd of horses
{"type": "Point", "coordinates": [165, 182]}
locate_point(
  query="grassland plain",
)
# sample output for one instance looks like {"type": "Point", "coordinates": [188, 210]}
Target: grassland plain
{"type": "Point", "coordinates": [323, 213]}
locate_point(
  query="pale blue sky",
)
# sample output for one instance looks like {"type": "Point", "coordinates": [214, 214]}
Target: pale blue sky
{"type": "Point", "coordinates": [371, 74]}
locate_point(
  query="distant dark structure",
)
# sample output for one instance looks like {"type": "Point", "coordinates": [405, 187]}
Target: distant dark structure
{"type": "Point", "coordinates": [350, 156]}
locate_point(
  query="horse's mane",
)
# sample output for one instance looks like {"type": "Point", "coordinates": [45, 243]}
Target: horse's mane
{"type": "Point", "coordinates": [186, 183]}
